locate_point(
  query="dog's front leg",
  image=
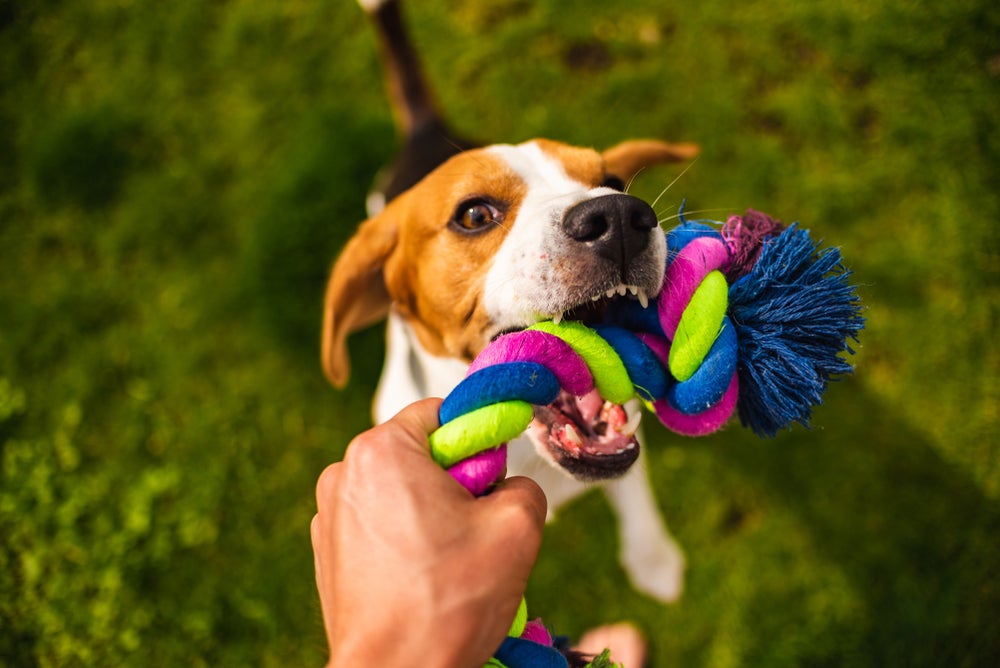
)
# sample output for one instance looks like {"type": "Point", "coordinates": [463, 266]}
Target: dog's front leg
{"type": "Point", "coordinates": [650, 556]}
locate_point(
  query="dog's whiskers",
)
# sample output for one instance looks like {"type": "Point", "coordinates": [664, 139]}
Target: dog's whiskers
{"type": "Point", "coordinates": [688, 213]}
{"type": "Point", "coordinates": [671, 184]}
{"type": "Point", "coordinates": [500, 225]}
{"type": "Point", "coordinates": [632, 179]}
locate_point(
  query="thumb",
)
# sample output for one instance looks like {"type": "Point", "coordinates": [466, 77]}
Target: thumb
{"type": "Point", "coordinates": [418, 420]}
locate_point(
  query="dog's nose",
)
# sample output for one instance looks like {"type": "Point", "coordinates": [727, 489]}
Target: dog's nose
{"type": "Point", "coordinates": [616, 226]}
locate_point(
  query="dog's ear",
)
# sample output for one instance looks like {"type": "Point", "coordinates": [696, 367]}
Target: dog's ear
{"type": "Point", "coordinates": [629, 158]}
{"type": "Point", "coordinates": [356, 294]}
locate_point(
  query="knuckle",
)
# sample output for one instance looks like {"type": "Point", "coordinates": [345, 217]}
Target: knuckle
{"type": "Point", "coordinates": [366, 451]}
{"type": "Point", "coordinates": [524, 516]}
{"type": "Point", "coordinates": [326, 486]}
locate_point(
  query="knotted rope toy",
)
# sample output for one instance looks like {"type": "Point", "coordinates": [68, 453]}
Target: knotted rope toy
{"type": "Point", "coordinates": [752, 318]}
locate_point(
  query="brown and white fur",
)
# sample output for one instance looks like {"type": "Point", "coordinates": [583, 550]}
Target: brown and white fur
{"type": "Point", "coordinates": [476, 242]}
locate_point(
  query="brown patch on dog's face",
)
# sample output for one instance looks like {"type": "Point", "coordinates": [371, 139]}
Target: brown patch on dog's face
{"type": "Point", "coordinates": [450, 227]}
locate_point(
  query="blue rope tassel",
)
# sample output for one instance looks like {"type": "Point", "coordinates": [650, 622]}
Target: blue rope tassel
{"type": "Point", "coordinates": [793, 314]}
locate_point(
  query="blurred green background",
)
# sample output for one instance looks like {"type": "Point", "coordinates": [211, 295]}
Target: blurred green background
{"type": "Point", "coordinates": [175, 178]}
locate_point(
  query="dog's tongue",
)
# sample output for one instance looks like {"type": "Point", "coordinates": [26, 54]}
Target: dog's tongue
{"type": "Point", "coordinates": [586, 425]}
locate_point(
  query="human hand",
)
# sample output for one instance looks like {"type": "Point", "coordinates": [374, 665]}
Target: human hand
{"type": "Point", "coordinates": [410, 567]}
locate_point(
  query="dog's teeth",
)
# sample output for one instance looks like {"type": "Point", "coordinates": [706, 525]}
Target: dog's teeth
{"type": "Point", "coordinates": [610, 293]}
{"type": "Point", "coordinates": [595, 298]}
{"type": "Point", "coordinates": [557, 318]}
{"type": "Point", "coordinates": [622, 290]}
{"type": "Point", "coordinates": [629, 428]}
{"type": "Point", "coordinates": [633, 289]}
{"type": "Point", "coordinates": [643, 299]}
{"type": "Point", "coordinates": [571, 434]}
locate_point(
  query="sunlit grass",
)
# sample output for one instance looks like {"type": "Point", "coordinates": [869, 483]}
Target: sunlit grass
{"type": "Point", "coordinates": [175, 179]}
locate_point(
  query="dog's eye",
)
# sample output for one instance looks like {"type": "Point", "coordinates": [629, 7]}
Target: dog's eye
{"type": "Point", "coordinates": [613, 182]}
{"type": "Point", "coordinates": [475, 216]}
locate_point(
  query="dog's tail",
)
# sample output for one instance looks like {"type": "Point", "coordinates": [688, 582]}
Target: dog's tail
{"type": "Point", "coordinates": [411, 98]}
{"type": "Point", "coordinates": [427, 140]}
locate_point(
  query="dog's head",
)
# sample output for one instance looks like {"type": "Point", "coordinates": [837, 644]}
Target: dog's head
{"type": "Point", "coordinates": [499, 238]}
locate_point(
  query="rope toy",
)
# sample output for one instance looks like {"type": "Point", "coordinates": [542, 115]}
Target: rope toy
{"type": "Point", "coordinates": [751, 318]}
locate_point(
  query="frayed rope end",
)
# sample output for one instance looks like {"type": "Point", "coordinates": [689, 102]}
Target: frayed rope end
{"type": "Point", "coordinates": [794, 312]}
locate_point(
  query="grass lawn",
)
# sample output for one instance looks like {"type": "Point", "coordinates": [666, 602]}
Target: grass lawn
{"type": "Point", "coordinates": [175, 179]}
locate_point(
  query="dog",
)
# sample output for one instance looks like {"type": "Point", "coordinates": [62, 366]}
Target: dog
{"type": "Point", "coordinates": [466, 242]}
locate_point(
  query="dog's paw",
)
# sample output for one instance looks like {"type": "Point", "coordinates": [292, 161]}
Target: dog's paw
{"type": "Point", "coordinates": [656, 568]}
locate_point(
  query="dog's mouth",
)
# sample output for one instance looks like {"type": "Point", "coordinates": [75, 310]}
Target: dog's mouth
{"type": "Point", "coordinates": [592, 310]}
{"type": "Point", "coordinates": [588, 436]}
{"type": "Point", "coordinates": [591, 438]}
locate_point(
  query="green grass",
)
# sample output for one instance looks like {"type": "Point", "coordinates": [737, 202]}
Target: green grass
{"type": "Point", "coordinates": [175, 179]}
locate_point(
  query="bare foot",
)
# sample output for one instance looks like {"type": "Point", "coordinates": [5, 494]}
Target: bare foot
{"type": "Point", "coordinates": [627, 644]}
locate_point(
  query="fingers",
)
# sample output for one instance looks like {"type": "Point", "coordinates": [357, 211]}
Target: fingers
{"type": "Point", "coordinates": [518, 507]}
{"type": "Point", "coordinates": [524, 493]}
{"type": "Point", "coordinates": [400, 441]}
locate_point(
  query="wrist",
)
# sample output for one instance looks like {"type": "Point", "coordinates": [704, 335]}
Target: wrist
{"type": "Point", "coordinates": [390, 657]}
{"type": "Point", "coordinates": [405, 650]}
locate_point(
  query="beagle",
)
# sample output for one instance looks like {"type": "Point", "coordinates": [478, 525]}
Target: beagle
{"type": "Point", "coordinates": [494, 239]}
